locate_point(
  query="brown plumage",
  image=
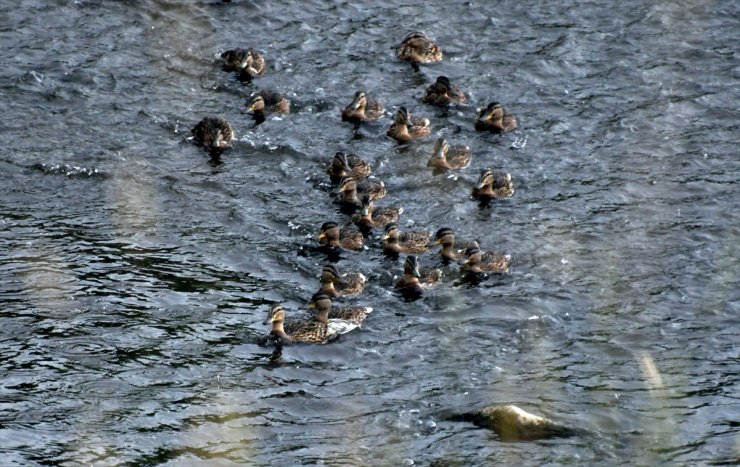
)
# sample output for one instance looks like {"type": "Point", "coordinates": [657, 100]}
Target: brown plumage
{"type": "Point", "coordinates": [350, 191]}
{"type": "Point", "coordinates": [213, 133]}
{"type": "Point", "coordinates": [406, 128]}
{"type": "Point", "coordinates": [347, 165]}
{"type": "Point", "coordinates": [416, 47]}
{"type": "Point", "coordinates": [477, 261]}
{"type": "Point", "coordinates": [448, 157]}
{"type": "Point", "coordinates": [495, 118]}
{"type": "Point", "coordinates": [395, 242]}
{"type": "Point", "coordinates": [362, 109]}
{"type": "Point", "coordinates": [413, 281]}
{"type": "Point", "coordinates": [310, 331]}
{"type": "Point", "coordinates": [492, 186]}
{"type": "Point", "coordinates": [371, 217]}
{"type": "Point", "coordinates": [335, 285]}
{"type": "Point", "coordinates": [331, 235]}
{"type": "Point", "coordinates": [321, 302]}
{"type": "Point", "coordinates": [444, 93]}
{"type": "Point", "coordinates": [248, 62]}
{"type": "Point", "coordinates": [451, 250]}
{"type": "Point", "coordinates": [266, 102]}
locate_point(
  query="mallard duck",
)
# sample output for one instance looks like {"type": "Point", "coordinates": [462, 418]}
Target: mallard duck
{"type": "Point", "coordinates": [321, 302]}
{"type": "Point", "coordinates": [492, 186]}
{"type": "Point", "coordinates": [448, 157]}
{"type": "Point", "coordinates": [371, 216]}
{"type": "Point", "coordinates": [494, 118]}
{"type": "Point", "coordinates": [444, 93]}
{"type": "Point", "coordinates": [312, 331]}
{"type": "Point", "coordinates": [480, 262]}
{"type": "Point", "coordinates": [406, 128]}
{"type": "Point", "coordinates": [332, 236]}
{"type": "Point", "coordinates": [451, 250]}
{"type": "Point", "coordinates": [266, 102]}
{"type": "Point", "coordinates": [213, 133]}
{"type": "Point", "coordinates": [413, 281]}
{"type": "Point", "coordinates": [350, 191]}
{"type": "Point", "coordinates": [416, 47]}
{"type": "Point", "coordinates": [362, 109]}
{"type": "Point", "coordinates": [347, 165]}
{"type": "Point", "coordinates": [248, 62]}
{"type": "Point", "coordinates": [395, 242]}
{"type": "Point", "coordinates": [335, 285]}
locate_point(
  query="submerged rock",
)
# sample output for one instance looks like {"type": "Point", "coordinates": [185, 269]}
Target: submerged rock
{"type": "Point", "coordinates": [514, 424]}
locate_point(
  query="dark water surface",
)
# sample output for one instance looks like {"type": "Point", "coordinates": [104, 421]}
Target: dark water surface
{"type": "Point", "coordinates": [135, 275]}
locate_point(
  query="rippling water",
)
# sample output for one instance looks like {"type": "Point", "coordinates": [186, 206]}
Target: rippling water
{"type": "Point", "coordinates": [135, 274]}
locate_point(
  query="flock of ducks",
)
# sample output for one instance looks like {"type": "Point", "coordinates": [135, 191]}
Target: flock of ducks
{"type": "Point", "coordinates": [357, 194]}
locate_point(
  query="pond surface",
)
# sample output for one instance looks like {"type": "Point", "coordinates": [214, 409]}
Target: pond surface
{"type": "Point", "coordinates": [135, 273]}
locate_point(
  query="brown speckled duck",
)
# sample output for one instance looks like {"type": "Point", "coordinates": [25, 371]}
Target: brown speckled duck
{"type": "Point", "coordinates": [416, 47]}
{"type": "Point", "coordinates": [321, 302]}
{"type": "Point", "coordinates": [214, 134]}
{"type": "Point", "coordinates": [451, 250]}
{"type": "Point", "coordinates": [395, 242]}
{"type": "Point", "coordinates": [480, 262]}
{"type": "Point", "coordinates": [332, 236]}
{"type": "Point", "coordinates": [444, 93]}
{"type": "Point", "coordinates": [248, 62]}
{"type": "Point", "coordinates": [348, 165]}
{"type": "Point", "coordinates": [413, 281]}
{"type": "Point", "coordinates": [448, 157]}
{"type": "Point", "coordinates": [335, 285]}
{"type": "Point", "coordinates": [406, 128]}
{"type": "Point", "coordinates": [492, 186]}
{"type": "Point", "coordinates": [266, 102]}
{"type": "Point", "coordinates": [318, 330]}
{"type": "Point", "coordinates": [371, 217]}
{"type": "Point", "coordinates": [362, 109]}
{"type": "Point", "coordinates": [350, 191]}
{"type": "Point", "coordinates": [494, 118]}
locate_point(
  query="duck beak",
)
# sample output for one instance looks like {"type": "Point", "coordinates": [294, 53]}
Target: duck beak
{"type": "Point", "coordinates": [311, 305]}
{"type": "Point", "coordinates": [417, 274]}
{"type": "Point", "coordinates": [268, 320]}
{"type": "Point", "coordinates": [322, 236]}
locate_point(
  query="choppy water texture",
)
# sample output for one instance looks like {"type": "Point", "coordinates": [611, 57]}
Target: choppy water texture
{"type": "Point", "coordinates": [135, 274]}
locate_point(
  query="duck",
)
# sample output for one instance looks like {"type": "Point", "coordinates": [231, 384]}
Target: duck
{"type": "Point", "coordinates": [413, 281]}
{"type": "Point", "coordinates": [313, 331]}
{"type": "Point", "coordinates": [362, 109]}
{"type": "Point", "coordinates": [448, 157]}
{"type": "Point", "coordinates": [321, 302]}
{"type": "Point", "coordinates": [334, 237]}
{"type": "Point", "coordinates": [406, 128]}
{"type": "Point", "coordinates": [395, 242]}
{"type": "Point", "coordinates": [494, 118]}
{"type": "Point", "coordinates": [492, 186]}
{"type": "Point", "coordinates": [451, 251]}
{"type": "Point", "coordinates": [477, 262]}
{"type": "Point", "coordinates": [443, 93]}
{"type": "Point", "coordinates": [348, 165]}
{"type": "Point", "coordinates": [335, 285]}
{"type": "Point", "coordinates": [266, 102]}
{"type": "Point", "coordinates": [350, 189]}
{"type": "Point", "coordinates": [416, 48]}
{"type": "Point", "coordinates": [248, 62]}
{"type": "Point", "coordinates": [371, 216]}
{"type": "Point", "coordinates": [213, 133]}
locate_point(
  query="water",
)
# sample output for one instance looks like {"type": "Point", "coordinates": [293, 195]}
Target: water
{"type": "Point", "coordinates": [136, 274]}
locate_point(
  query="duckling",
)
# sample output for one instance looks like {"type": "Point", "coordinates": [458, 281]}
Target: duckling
{"type": "Point", "coordinates": [266, 102]}
{"type": "Point", "coordinates": [321, 302]}
{"type": "Point", "coordinates": [348, 165]}
{"type": "Point", "coordinates": [448, 157]}
{"type": "Point", "coordinates": [213, 134]}
{"type": "Point", "coordinates": [477, 262]}
{"type": "Point", "coordinates": [395, 242]}
{"type": "Point", "coordinates": [334, 284]}
{"type": "Point", "coordinates": [444, 93]}
{"type": "Point", "coordinates": [371, 216]}
{"type": "Point", "coordinates": [312, 331]}
{"type": "Point", "coordinates": [333, 237]}
{"type": "Point", "coordinates": [406, 128]}
{"type": "Point", "coordinates": [413, 282]}
{"type": "Point", "coordinates": [451, 251]}
{"type": "Point", "coordinates": [492, 186]}
{"type": "Point", "coordinates": [349, 189]}
{"type": "Point", "coordinates": [248, 62]}
{"type": "Point", "coordinates": [416, 47]}
{"type": "Point", "coordinates": [494, 118]}
{"type": "Point", "coordinates": [362, 109]}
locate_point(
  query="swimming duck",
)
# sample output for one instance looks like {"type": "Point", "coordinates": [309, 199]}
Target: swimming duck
{"type": "Point", "coordinates": [248, 62]}
{"type": "Point", "coordinates": [350, 189]}
{"type": "Point", "coordinates": [347, 165]}
{"type": "Point", "coordinates": [395, 242]}
{"type": "Point", "coordinates": [492, 186]}
{"type": "Point", "coordinates": [371, 216]}
{"type": "Point", "coordinates": [413, 282]}
{"type": "Point", "coordinates": [362, 109]}
{"type": "Point", "coordinates": [213, 133]}
{"type": "Point", "coordinates": [444, 93]}
{"type": "Point", "coordinates": [266, 102]}
{"type": "Point", "coordinates": [451, 250]}
{"type": "Point", "coordinates": [332, 236]}
{"type": "Point", "coordinates": [334, 284]}
{"type": "Point", "coordinates": [479, 262]}
{"type": "Point", "coordinates": [312, 331]}
{"type": "Point", "coordinates": [448, 157]}
{"type": "Point", "coordinates": [494, 118]}
{"type": "Point", "coordinates": [416, 47]}
{"type": "Point", "coordinates": [406, 128]}
{"type": "Point", "coordinates": [321, 302]}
